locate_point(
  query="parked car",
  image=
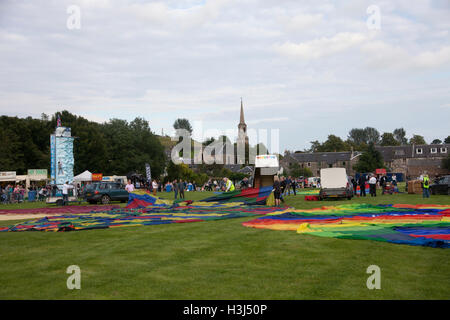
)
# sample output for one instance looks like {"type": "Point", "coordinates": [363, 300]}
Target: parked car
{"type": "Point", "coordinates": [335, 184]}
{"type": "Point", "coordinates": [442, 186]}
{"type": "Point", "coordinates": [105, 192]}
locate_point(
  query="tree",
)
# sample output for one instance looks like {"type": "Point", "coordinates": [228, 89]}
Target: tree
{"type": "Point", "coordinates": [357, 136]}
{"type": "Point", "coordinates": [447, 140]}
{"type": "Point", "coordinates": [115, 147]}
{"type": "Point", "coordinates": [314, 146]}
{"type": "Point", "coordinates": [416, 139]}
{"type": "Point", "coordinates": [296, 171]}
{"type": "Point", "coordinates": [388, 139]}
{"type": "Point", "coordinates": [372, 135]}
{"type": "Point", "coordinates": [182, 124]}
{"type": "Point", "coordinates": [333, 144]}
{"type": "Point", "coordinates": [400, 136]}
{"type": "Point", "coordinates": [369, 160]}
{"type": "Point", "coordinates": [436, 141]}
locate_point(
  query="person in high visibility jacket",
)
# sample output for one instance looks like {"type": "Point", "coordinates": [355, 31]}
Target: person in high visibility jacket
{"type": "Point", "coordinates": [426, 186]}
{"type": "Point", "coordinates": [229, 186]}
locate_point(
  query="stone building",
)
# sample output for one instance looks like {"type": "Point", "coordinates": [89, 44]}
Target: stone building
{"type": "Point", "coordinates": [411, 160]}
{"type": "Point", "coordinates": [414, 160]}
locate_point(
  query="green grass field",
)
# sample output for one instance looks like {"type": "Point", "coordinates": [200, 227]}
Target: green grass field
{"type": "Point", "coordinates": [219, 260]}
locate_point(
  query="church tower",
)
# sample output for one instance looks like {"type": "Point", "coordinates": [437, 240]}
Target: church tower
{"type": "Point", "coordinates": [242, 140]}
{"type": "Point", "coordinates": [242, 127]}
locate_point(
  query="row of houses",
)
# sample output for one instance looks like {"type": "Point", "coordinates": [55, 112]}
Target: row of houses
{"type": "Point", "coordinates": [411, 160]}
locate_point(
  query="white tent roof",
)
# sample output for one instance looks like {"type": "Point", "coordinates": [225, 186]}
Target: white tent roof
{"type": "Point", "coordinates": [85, 176]}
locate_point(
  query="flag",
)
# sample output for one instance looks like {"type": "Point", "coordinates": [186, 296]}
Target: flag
{"type": "Point", "coordinates": [148, 171]}
{"type": "Point", "coordinates": [58, 121]}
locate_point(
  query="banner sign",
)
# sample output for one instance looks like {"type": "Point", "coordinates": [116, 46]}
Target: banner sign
{"type": "Point", "coordinates": [37, 173]}
{"type": "Point", "coordinates": [266, 161]}
{"type": "Point", "coordinates": [97, 176]}
{"type": "Point", "coordinates": [148, 171]}
{"type": "Point", "coordinates": [8, 176]}
{"type": "Point", "coordinates": [380, 171]}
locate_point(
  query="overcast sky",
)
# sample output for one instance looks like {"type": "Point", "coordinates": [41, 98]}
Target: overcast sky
{"type": "Point", "coordinates": [307, 68]}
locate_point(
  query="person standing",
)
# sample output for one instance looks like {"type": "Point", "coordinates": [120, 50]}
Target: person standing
{"type": "Point", "coordinates": [283, 185]}
{"type": "Point", "coordinates": [175, 188]}
{"type": "Point", "coordinates": [426, 186]}
{"type": "Point", "coordinates": [65, 192]}
{"type": "Point", "coordinates": [129, 187]}
{"type": "Point", "coordinates": [373, 186]}
{"type": "Point", "coordinates": [288, 185]}
{"type": "Point", "coordinates": [155, 187]}
{"type": "Point", "coordinates": [293, 185]}
{"type": "Point", "coordinates": [383, 182]}
{"type": "Point", "coordinates": [354, 185]}
{"type": "Point", "coordinates": [229, 186]}
{"type": "Point", "coordinates": [277, 190]}
{"type": "Point", "coordinates": [181, 188]}
{"type": "Point", "coordinates": [362, 185]}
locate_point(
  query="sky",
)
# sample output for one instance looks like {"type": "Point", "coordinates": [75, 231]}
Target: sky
{"type": "Point", "coordinates": [305, 68]}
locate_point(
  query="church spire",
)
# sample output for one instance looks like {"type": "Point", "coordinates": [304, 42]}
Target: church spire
{"type": "Point", "coordinates": [242, 114]}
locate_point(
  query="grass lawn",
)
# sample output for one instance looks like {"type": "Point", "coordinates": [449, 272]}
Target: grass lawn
{"type": "Point", "coordinates": [219, 260]}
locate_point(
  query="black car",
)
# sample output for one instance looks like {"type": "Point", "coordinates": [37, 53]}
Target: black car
{"type": "Point", "coordinates": [105, 192]}
{"type": "Point", "coordinates": [442, 186]}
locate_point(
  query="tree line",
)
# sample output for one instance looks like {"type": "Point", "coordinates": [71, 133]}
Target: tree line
{"type": "Point", "coordinates": [113, 147]}
{"type": "Point", "coordinates": [360, 139]}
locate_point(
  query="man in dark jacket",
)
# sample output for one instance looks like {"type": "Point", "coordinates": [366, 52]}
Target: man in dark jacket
{"type": "Point", "coordinates": [175, 188]}
{"type": "Point", "coordinates": [362, 185]}
{"type": "Point", "coordinates": [181, 187]}
{"type": "Point", "coordinates": [383, 181]}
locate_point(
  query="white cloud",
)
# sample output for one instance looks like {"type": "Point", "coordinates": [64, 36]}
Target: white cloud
{"type": "Point", "coordinates": [322, 47]}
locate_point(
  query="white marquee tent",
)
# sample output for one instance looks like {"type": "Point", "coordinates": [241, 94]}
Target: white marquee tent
{"type": "Point", "coordinates": [85, 176]}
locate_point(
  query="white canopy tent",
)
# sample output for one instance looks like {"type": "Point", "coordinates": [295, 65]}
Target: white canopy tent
{"type": "Point", "coordinates": [85, 176]}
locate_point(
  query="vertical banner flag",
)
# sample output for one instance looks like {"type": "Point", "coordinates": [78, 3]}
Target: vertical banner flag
{"type": "Point", "coordinates": [148, 171]}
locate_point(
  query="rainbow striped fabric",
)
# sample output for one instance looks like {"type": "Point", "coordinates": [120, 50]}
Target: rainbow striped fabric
{"type": "Point", "coordinates": [145, 209]}
{"type": "Point", "coordinates": [425, 225]}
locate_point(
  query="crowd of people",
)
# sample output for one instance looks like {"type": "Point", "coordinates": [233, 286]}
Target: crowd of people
{"type": "Point", "coordinates": [283, 186]}
{"type": "Point", "coordinates": [180, 186]}
{"type": "Point", "coordinates": [373, 181]}
{"type": "Point", "coordinates": [18, 193]}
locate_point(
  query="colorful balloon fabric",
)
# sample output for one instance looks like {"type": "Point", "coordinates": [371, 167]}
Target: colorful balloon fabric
{"type": "Point", "coordinates": [60, 210]}
{"type": "Point", "coordinates": [249, 196]}
{"type": "Point", "coordinates": [145, 209]}
{"type": "Point", "coordinates": [425, 225]}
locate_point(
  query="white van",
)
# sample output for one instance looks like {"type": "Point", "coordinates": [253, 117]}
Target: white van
{"type": "Point", "coordinates": [335, 184]}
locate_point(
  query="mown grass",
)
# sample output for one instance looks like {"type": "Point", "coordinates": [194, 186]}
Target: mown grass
{"type": "Point", "coordinates": [219, 260]}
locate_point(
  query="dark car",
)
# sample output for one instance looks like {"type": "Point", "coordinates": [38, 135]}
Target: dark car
{"type": "Point", "coordinates": [105, 192]}
{"type": "Point", "coordinates": [442, 186]}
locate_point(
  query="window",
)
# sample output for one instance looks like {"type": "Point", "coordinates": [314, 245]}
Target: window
{"type": "Point", "coordinates": [309, 164]}
{"type": "Point", "coordinates": [433, 150]}
{"type": "Point", "coordinates": [443, 150]}
{"type": "Point", "coordinates": [419, 150]}
{"type": "Point", "coordinates": [343, 163]}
